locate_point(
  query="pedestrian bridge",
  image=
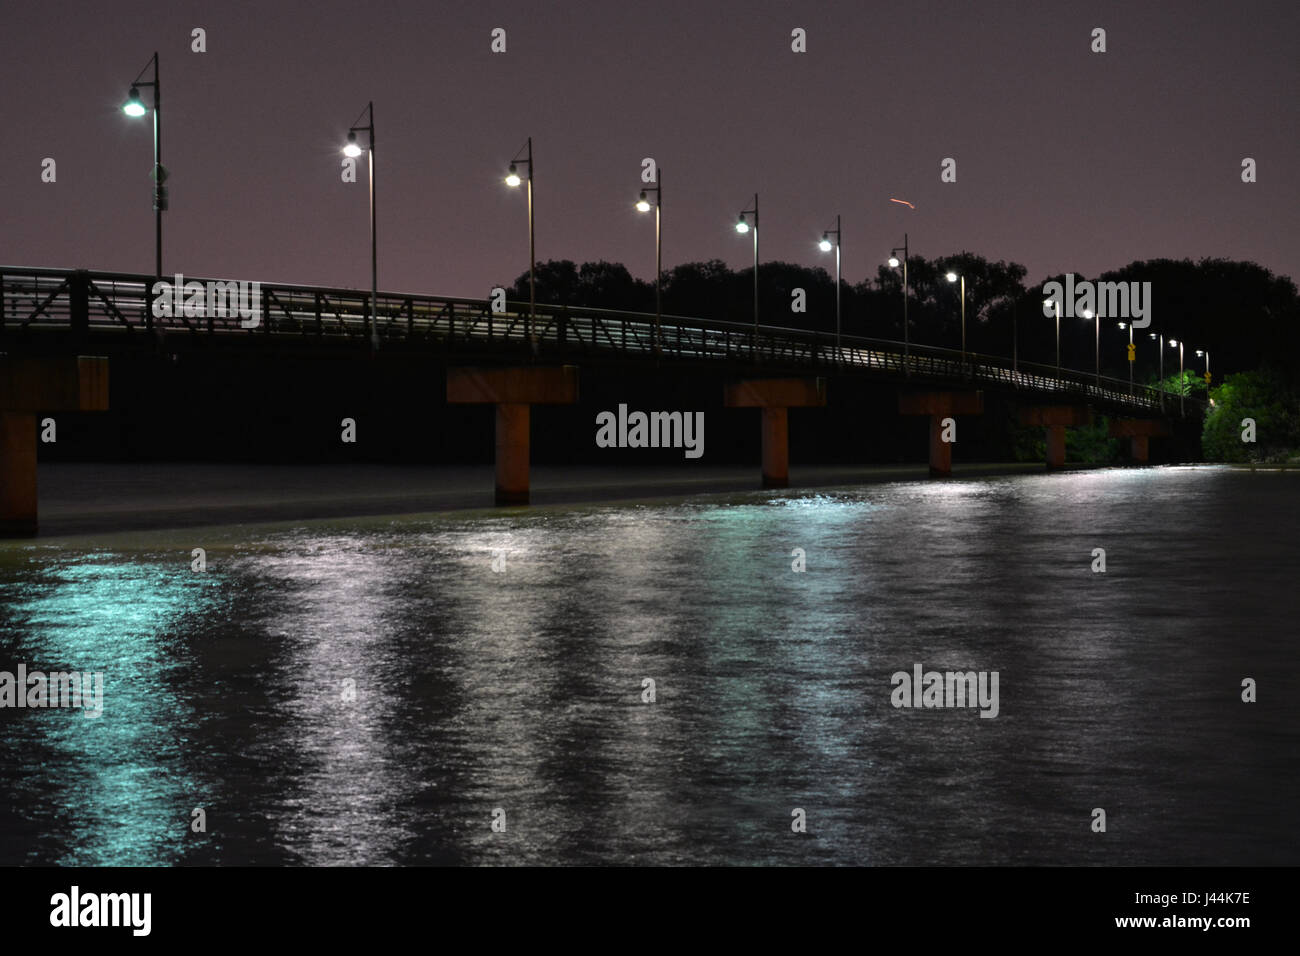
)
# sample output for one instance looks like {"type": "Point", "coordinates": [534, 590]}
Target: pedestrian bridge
{"type": "Point", "coordinates": [60, 329]}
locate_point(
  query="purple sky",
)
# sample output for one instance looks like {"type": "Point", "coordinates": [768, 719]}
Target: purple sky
{"type": "Point", "coordinates": [1067, 160]}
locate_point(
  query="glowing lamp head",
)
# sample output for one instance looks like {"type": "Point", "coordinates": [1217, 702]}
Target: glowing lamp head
{"type": "Point", "coordinates": [1152, 335]}
{"type": "Point", "coordinates": [893, 262]}
{"type": "Point", "coordinates": [951, 277]}
{"type": "Point", "coordinates": [352, 149]}
{"type": "Point", "coordinates": [643, 204]}
{"type": "Point", "coordinates": [825, 244]}
{"type": "Point", "coordinates": [133, 106]}
{"type": "Point", "coordinates": [1199, 353]}
{"type": "Point", "coordinates": [1173, 343]}
{"type": "Point", "coordinates": [742, 227]}
{"type": "Point", "coordinates": [1087, 313]}
{"type": "Point", "coordinates": [512, 177]}
{"type": "Point", "coordinates": [1123, 325]}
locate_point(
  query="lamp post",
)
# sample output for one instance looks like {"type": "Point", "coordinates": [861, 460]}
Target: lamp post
{"type": "Point", "coordinates": [134, 107]}
{"type": "Point", "coordinates": [1056, 304]}
{"type": "Point", "coordinates": [1161, 347]}
{"type": "Point", "coordinates": [354, 150]}
{"type": "Point", "coordinates": [953, 277]}
{"type": "Point", "coordinates": [743, 227]}
{"type": "Point", "coordinates": [1182, 386]}
{"type": "Point", "coordinates": [643, 205]}
{"type": "Point", "coordinates": [893, 263]}
{"type": "Point", "coordinates": [1096, 316]}
{"type": "Point", "coordinates": [525, 155]}
{"type": "Point", "coordinates": [1132, 352]}
{"type": "Point", "coordinates": [825, 246]}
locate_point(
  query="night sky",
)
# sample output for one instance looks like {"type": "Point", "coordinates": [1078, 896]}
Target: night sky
{"type": "Point", "coordinates": [1067, 160]}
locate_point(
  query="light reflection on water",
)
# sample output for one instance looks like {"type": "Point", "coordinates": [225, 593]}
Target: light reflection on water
{"type": "Point", "coordinates": [523, 689]}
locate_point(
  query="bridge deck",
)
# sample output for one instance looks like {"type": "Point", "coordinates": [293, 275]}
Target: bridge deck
{"type": "Point", "coordinates": [62, 309]}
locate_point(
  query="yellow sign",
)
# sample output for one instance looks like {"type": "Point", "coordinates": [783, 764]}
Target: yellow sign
{"type": "Point", "coordinates": [1207, 378]}
{"type": "Point", "coordinates": [1132, 352]}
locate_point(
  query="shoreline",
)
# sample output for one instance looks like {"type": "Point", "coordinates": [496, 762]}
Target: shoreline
{"type": "Point", "coordinates": [91, 498]}
{"type": "Point", "coordinates": [94, 498]}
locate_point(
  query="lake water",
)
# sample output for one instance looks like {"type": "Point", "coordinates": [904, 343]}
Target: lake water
{"type": "Point", "coordinates": [521, 690]}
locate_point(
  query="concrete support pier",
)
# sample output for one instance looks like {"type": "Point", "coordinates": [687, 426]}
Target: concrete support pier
{"type": "Point", "coordinates": [938, 406]}
{"type": "Point", "coordinates": [514, 391]}
{"type": "Point", "coordinates": [30, 387]}
{"type": "Point", "coordinates": [776, 396]}
{"type": "Point", "coordinates": [1139, 432]}
{"type": "Point", "coordinates": [1056, 418]}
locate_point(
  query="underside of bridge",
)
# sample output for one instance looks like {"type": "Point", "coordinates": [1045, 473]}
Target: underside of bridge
{"type": "Point", "coordinates": [514, 391]}
{"type": "Point", "coordinates": [776, 396]}
{"type": "Point", "coordinates": [30, 386]}
{"type": "Point", "coordinates": [1139, 432]}
{"type": "Point", "coordinates": [1056, 418]}
{"type": "Point", "coordinates": [942, 409]}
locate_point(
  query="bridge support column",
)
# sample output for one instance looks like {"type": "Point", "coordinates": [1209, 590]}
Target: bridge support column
{"type": "Point", "coordinates": [17, 474]}
{"type": "Point", "coordinates": [512, 453]}
{"type": "Point", "coordinates": [1139, 432]}
{"type": "Point", "coordinates": [776, 448]}
{"type": "Point", "coordinates": [28, 387]}
{"type": "Point", "coordinates": [1056, 418]}
{"type": "Point", "coordinates": [938, 406]}
{"type": "Point", "coordinates": [776, 396]}
{"type": "Point", "coordinates": [1055, 447]}
{"type": "Point", "coordinates": [514, 391]}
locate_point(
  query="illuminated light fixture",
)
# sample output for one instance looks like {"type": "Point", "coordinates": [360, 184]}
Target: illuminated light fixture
{"type": "Point", "coordinates": [352, 149]}
{"type": "Point", "coordinates": [133, 105]}
{"type": "Point", "coordinates": [643, 204]}
{"type": "Point", "coordinates": [512, 177]}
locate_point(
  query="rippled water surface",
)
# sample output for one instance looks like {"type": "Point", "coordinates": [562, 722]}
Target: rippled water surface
{"type": "Point", "coordinates": [523, 689]}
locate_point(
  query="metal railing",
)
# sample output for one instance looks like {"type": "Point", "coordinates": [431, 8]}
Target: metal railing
{"type": "Point", "coordinates": [94, 304]}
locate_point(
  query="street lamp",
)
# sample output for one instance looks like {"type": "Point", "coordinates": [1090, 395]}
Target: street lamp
{"type": "Point", "coordinates": [1206, 353]}
{"type": "Point", "coordinates": [893, 264]}
{"type": "Point", "coordinates": [1056, 304]}
{"type": "Point", "coordinates": [825, 246]}
{"type": "Point", "coordinates": [1132, 353]}
{"type": "Point", "coordinates": [353, 149]}
{"type": "Point", "coordinates": [643, 205]}
{"type": "Point", "coordinates": [525, 155]}
{"type": "Point", "coordinates": [135, 107]}
{"type": "Point", "coordinates": [1089, 314]}
{"type": "Point", "coordinates": [743, 227]}
{"type": "Point", "coordinates": [1182, 386]}
{"type": "Point", "coordinates": [1160, 337]}
{"type": "Point", "coordinates": [953, 277]}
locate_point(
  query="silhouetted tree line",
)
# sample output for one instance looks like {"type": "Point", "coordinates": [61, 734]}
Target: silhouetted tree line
{"type": "Point", "coordinates": [1247, 317]}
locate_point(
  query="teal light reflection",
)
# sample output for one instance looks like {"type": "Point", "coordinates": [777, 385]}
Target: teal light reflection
{"type": "Point", "coordinates": [117, 789]}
